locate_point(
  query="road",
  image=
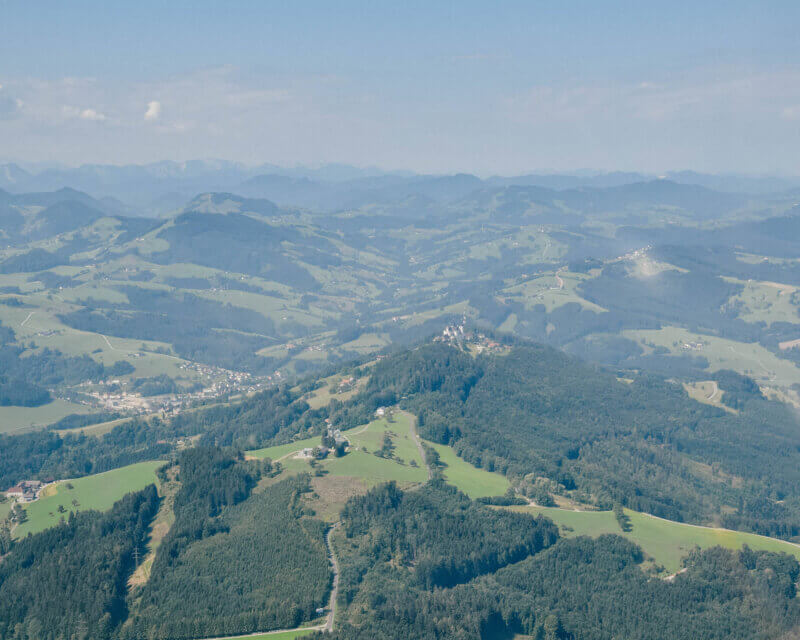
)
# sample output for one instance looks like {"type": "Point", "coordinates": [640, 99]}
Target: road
{"type": "Point", "coordinates": [559, 279]}
{"type": "Point", "coordinates": [335, 568]}
{"type": "Point", "coordinates": [26, 319]}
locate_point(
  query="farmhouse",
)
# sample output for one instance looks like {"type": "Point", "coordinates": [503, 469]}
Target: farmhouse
{"type": "Point", "coordinates": [25, 491]}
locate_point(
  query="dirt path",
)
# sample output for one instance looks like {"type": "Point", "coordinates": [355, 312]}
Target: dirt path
{"type": "Point", "coordinates": [30, 315]}
{"type": "Point", "coordinates": [418, 442]}
{"type": "Point", "coordinates": [258, 634]}
{"type": "Point", "coordinates": [110, 346]}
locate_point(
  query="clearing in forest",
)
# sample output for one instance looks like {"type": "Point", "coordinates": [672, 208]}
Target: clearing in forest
{"type": "Point", "coordinates": [663, 540]}
{"type": "Point", "coordinates": [475, 482]}
{"type": "Point", "coordinates": [99, 491]}
{"type": "Point", "coordinates": [368, 458]}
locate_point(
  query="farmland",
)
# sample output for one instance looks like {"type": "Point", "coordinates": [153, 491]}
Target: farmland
{"type": "Point", "coordinates": [99, 492]}
{"type": "Point", "coordinates": [663, 540]}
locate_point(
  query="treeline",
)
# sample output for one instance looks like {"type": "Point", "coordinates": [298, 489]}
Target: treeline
{"type": "Point", "coordinates": [69, 581]}
{"type": "Point", "coordinates": [580, 588]}
{"type": "Point", "coordinates": [48, 455]}
{"type": "Point", "coordinates": [21, 393]}
{"type": "Point", "coordinates": [233, 562]}
{"type": "Point", "coordinates": [254, 422]}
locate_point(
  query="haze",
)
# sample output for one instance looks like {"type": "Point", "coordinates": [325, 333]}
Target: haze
{"type": "Point", "coordinates": [451, 87]}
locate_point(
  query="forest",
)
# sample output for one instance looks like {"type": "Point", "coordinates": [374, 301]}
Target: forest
{"type": "Point", "coordinates": [69, 581]}
{"type": "Point", "coordinates": [566, 589]}
{"type": "Point", "coordinates": [538, 412]}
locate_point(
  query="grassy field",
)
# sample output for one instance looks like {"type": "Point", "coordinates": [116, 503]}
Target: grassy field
{"type": "Point", "coordinates": [749, 358]}
{"type": "Point", "coordinates": [99, 492]}
{"type": "Point", "coordinates": [159, 528]}
{"type": "Point", "coordinates": [551, 291]}
{"type": "Point", "coordinates": [358, 463]}
{"type": "Point", "coordinates": [665, 541]}
{"type": "Point", "coordinates": [18, 419]}
{"type": "Point", "coordinates": [476, 483]}
{"type": "Point", "coordinates": [767, 302]}
{"type": "Point", "coordinates": [707, 392]}
{"type": "Point", "coordinates": [322, 397]}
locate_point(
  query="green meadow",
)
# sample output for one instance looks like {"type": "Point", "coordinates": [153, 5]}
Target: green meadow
{"type": "Point", "coordinates": [749, 358]}
{"type": "Point", "coordinates": [663, 540]}
{"type": "Point", "coordinates": [99, 491]}
{"type": "Point", "coordinates": [359, 463]}
{"type": "Point", "coordinates": [18, 419]}
{"type": "Point", "coordinates": [476, 483]}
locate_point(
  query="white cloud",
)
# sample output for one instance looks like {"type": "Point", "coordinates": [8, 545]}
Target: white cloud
{"type": "Point", "coordinates": [91, 114]}
{"type": "Point", "coordinates": [153, 112]}
{"type": "Point", "coordinates": [791, 113]}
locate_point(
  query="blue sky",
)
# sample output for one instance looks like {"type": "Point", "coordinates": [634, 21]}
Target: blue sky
{"type": "Point", "coordinates": [499, 87]}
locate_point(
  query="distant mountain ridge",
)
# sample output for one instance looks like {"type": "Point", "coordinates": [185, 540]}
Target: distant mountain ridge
{"type": "Point", "coordinates": [156, 188]}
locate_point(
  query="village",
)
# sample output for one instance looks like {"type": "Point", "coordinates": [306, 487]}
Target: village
{"type": "Point", "coordinates": [117, 395]}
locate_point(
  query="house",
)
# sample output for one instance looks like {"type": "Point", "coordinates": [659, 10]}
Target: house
{"type": "Point", "coordinates": [25, 491]}
{"type": "Point", "coordinates": [380, 412]}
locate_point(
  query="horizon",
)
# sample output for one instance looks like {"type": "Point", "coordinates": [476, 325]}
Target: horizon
{"type": "Point", "coordinates": [434, 89]}
{"type": "Point", "coordinates": [36, 168]}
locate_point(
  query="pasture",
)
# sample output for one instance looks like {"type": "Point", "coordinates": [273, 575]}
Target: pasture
{"type": "Point", "coordinates": [99, 491]}
{"type": "Point", "coordinates": [767, 302]}
{"type": "Point", "coordinates": [476, 483]}
{"type": "Point", "coordinates": [666, 542]}
{"type": "Point", "coordinates": [359, 463]}
{"type": "Point", "coordinates": [19, 419]}
{"type": "Point", "coordinates": [552, 290]}
{"type": "Point", "coordinates": [748, 358]}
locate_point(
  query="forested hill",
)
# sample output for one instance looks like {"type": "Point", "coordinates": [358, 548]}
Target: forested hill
{"type": "Point", "coordinates": [563, 589]}
{"type": "Point", "coordinates": [536, 412]}
{"type": "Point", "coordinates": [550, 422]}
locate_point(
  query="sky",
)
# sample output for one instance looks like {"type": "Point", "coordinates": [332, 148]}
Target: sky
{"type": "Point", "coordinates": [486, 87]}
